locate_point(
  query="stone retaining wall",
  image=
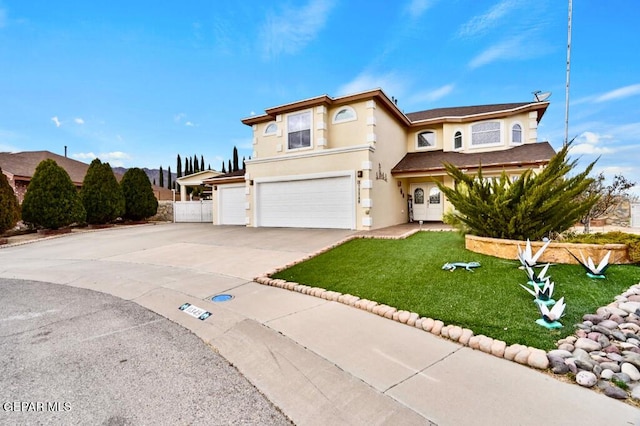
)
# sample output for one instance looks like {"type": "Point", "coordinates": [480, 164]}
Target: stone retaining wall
{"type": "Point", "coordinates": [165, 212]}
{"type": "Point", "coordinates": [554, 253]}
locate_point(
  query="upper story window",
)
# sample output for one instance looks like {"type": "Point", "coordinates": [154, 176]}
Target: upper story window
{"type": "Point", "coordinates": [426, 139]}
{"type": "Point", "coordinates": [516, 133]}
{"type": "Point", "coordinates": [344, 114]}
{"type": "Point", "coordinates": [299, 130]}
{"type": "Point", "coordinates": [457, 140]}
{"type": "Point", "coordinates": [271, 129]}
{"type": "Point", "coordinates": [486, 133]}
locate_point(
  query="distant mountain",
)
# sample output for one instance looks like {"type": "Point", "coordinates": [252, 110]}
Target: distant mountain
{"type": "Point", "coordinates": [152, 174]}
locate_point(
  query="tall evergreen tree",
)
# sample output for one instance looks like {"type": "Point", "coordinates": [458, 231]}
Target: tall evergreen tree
{"type": "Point", "coordinates": [244, 163]}
{"type": "Point", "coordinates": [224, 170]}
{"type": "Point", "coordinates": [186, 166]}
{"type": "Point", "coordinates": [169, 178]}
{"type": "Point", "coordinates": [140, 202]}
{"type": "Point", "coordinates": [52, 200]}
{"type": "Point", "coordinates": [179, 167]}
{"type": "Point", "coordinates": [230, 169]}
{"type": "Point", "coordinates": [236, 165]}
{"type": "Point", "coordinates": [202, 163]}
{"type": "Point", "coordinates": [196, 165]}
{"type": "Point", "coordinates": [101, 194]}
{"type": "Point", "coordinates": [209, 166]}
{"type": "Point", "coordinates": [161, 184]}
{"type": "Point", "coordinates": [9, 207]}
{"type": "Point", "coordinates": [530, 207]}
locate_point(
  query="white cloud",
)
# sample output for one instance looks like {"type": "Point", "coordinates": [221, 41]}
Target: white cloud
{"type": "Point", "coordinates": [115, 158]}
{"type": "Point", "coordinates": [56, 121]}
{"type": "Point", "coordinates": [78, 120]}
{"type": "Point", "coordinates": [189, 124]}
{"type": "Point", "coordinates": [179, 117]}
{"type": "Point", "coordinates": [84, 156]}
{"type": "Point", "coordinates": [508, 49]}
{"type": "Point", "coordinates": [416, 8]}
{"type": "Point", "coordinates": [482, 23]}
{"type": "Point", "coordinates": [590, 143]}
{"type": "Point", "coordinates": [432, 95]}
{"type": "Point", "coordinates": [622, 92]}
{"type": "Point", "coordinates": [392, 84]}
{"type": "Point", "coordinates": [294, 28]}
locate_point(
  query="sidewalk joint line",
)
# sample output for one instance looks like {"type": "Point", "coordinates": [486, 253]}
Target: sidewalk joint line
{"type": "Point", "coordinates": [421, 371]}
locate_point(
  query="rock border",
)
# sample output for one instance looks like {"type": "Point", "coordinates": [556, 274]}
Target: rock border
{"type": "Point", "coordinates": [561, 361]}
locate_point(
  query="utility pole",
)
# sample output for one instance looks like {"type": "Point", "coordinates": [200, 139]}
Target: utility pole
{"type": "Point", "coordinates": [566, 104]}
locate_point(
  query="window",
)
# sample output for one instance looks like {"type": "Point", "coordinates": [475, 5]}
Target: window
{"type": "Point", "coordinates": [299, 130]}
{"type": "Point", "coordinates": [426, 139]}
{"type": "Point", "coordinates": [516, 133]}
{"type": "Point", "coordinates": [344, 114]}
{"type": "Point", "coordinates": [271, 129]}
{"type": "Point", "coordinates": [418, 196]}
{"type": "Point", "coordinates": [457, 140]}
{"type": "Point", "coordinates": [434, 196]}
{"type": "Point", "coordinates": [487, 133]}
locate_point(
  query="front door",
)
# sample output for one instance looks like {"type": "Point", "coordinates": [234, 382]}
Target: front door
{"type": "Point", "coordinates": [427, 201]}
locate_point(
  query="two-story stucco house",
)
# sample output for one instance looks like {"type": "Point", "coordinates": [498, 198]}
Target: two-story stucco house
{"type": "Point", "coordinates": [356, 161]}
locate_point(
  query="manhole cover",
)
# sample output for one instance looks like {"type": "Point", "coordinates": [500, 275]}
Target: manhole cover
{"type": "Point", "coordinates": [221, 298]}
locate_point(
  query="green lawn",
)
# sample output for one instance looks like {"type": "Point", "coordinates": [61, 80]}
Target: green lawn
{"type": "Point", "coordinates": [408, 275]}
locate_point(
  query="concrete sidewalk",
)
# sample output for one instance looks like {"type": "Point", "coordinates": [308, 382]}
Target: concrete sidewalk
{"type": "Point", "coordinates": [321, 362]}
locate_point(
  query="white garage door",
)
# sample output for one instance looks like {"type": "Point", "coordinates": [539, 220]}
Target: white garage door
{"type": "Point", "coordinates": [326, 202]}
{"type": "Point", "coordinates": [231, 201]}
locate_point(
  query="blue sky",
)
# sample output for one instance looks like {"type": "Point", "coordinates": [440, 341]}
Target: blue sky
{"type": "Point", "coordinates": [138, 82]}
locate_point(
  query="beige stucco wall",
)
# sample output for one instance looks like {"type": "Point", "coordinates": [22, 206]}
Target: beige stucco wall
{"type": "Point", "coordinates": [324, 133]}
{"type": "Point", "coordinates": [389, 199]}
{"type": "Point", "coordinates": [445, 133]}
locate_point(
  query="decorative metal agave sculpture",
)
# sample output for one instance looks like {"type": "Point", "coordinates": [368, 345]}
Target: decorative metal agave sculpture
{"type": "Point", "coordinates": [527, 258]}
{"type": "Point", "coordinates": [539, 279]}
{"type": "Point", "coordinates": [551, 316]}
{"type": "Point", "coordinates": [543, 293]}
{"type": "Point", "coordinates": [588, 264]}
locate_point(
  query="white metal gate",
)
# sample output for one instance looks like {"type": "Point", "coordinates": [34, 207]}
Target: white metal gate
{"type": "Point", "coordinates": [635, 215]}
{"type": "Point", "coordinates": [193, 211]}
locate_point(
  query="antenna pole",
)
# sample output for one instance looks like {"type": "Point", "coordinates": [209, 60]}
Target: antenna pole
{"type": "Point", "coordinates": [566, 106]}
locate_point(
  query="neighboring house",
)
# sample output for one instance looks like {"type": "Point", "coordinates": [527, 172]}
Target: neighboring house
{"type": "Point", "coordinates": [20, 167]}
{"type": "Point", "coordinates": [355, 162]}
{"type": "Point", "coordinates": [194, 180]}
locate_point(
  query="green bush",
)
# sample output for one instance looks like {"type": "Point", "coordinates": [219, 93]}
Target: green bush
{"type": "Point", "coordinates": [52, 200]}
{"type": "Point", "coordinates": [9, 208]}
{"type": "Point", "coordinates": [531, 206]}
{"type": "Point", "coordinates": [140, 202]}
{"type": "Point", "coordinates": [101, 194]}
{"type": "Point", "coordinates": [615, 237]}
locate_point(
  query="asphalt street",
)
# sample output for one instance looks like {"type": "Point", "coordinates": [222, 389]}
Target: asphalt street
{"type": "Point", "coordinates": [75, 356]}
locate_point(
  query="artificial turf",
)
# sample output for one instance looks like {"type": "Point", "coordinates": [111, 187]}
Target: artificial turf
{"type": "Point", "coordinates": [407, 274]}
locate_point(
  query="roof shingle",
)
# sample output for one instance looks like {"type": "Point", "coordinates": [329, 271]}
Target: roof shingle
{"type": "Point", "coordinates": [433, 161]}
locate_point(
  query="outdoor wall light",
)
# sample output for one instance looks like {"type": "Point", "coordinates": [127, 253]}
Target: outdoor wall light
{"type": "Point", "coordinates": [359, 173]}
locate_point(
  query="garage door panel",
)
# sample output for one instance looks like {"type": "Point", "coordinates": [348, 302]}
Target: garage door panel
{"type": "Point", "coordinates": [231, 205]}
{"type": "Point", "coordinates": [309, 203]}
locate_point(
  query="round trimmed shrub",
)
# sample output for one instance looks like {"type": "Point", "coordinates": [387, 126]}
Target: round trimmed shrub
{"type": "Point", "coordinates": [140, 202]}
{"type": "Point", "coordinates": [101, 194]}
{"type": "Point", "coordinates": [52, 200]}
{"type": "Point", "coordinates": [9, 207]}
